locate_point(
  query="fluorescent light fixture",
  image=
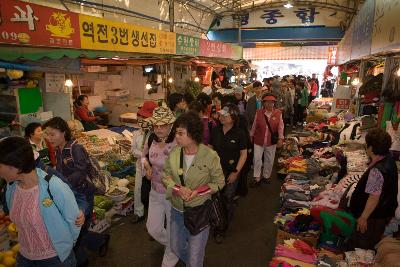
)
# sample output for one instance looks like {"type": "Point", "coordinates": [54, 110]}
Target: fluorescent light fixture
{"type": "Point", "coordinates": [69, 83]}
{"type": "Point", "coordinates": [288, 5]}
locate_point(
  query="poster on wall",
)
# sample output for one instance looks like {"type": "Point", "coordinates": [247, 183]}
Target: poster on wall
{"type": "Point", "coordinates": [24, 23]}
{"type": "Point", "coordinates": [362, 30]}
{"type": "Point", "coordinates": [101, 34]}
{"type": "Point", "coordinates": [386, 28]}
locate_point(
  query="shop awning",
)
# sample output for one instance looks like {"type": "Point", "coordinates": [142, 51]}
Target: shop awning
{"type": "Point", "coordinates": [12, 53]}
{"type": "Point", "coordinates": [286, 53]}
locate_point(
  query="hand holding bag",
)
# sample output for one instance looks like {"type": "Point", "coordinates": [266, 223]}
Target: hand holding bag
{"type": "Point", "coordinates": [196, 219]}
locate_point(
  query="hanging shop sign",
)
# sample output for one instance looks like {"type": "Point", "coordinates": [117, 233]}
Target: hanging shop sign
{"type": "Point", "coordinates": [24, 23]}
{"type": "Point", "coordinates": [215, 49]}
{"type": "Point", "coordinates": [362, 30]}
{"type": "Point", "coordinates": [386, 28]}
{"type": "Point", "coordinates": [283, 17]}
{"type": "Point", "coordinates": [187, 45]}
{"type": "Point", "coordinates": [332, 55]}
{"type": "Point", "coordinates": [101, 34]}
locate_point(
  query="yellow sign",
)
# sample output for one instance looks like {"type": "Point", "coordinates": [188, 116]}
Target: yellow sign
{"type": "Point", "coordinates": [386, 31]}
{"type": "Point", "coordinates": [60, 25]}
{"type": "Point", "coordinates": [101, 34]}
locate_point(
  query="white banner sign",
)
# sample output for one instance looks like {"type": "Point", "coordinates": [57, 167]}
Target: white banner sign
{"type": "Point", "coordinates": [284, 17]}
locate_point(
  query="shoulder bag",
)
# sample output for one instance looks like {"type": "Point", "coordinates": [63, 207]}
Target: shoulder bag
{"type": "Point", "coordinates": [274, 135]}
{"type": "Point", "coordinates": [196, 219]}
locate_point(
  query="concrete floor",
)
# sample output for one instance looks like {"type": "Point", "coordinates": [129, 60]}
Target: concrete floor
{"type": "Point", "coordinates": [249, 242]}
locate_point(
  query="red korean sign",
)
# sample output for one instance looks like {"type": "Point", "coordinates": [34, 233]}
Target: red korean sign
{"type": "Point", "coordinates": [342, 103]}
{"type": "Point", "coordinates": [215, 49]}
{"type": "Point", "coordinates": [29, 24]}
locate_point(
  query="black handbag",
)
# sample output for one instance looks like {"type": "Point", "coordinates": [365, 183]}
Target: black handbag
{"type": "Point", "coordinates": [274, 135]}
{"type": "Point", "coordinates": [196, 219]}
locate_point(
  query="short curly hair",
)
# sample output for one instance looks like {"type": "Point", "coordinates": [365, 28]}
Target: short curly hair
{"type": "Point", "coordinates": [379, 140]}
{"type": "Point", "coordinates": [193, 125]}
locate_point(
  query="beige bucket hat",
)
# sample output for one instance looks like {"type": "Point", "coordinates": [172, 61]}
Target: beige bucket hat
{"type": "Point", "coordinates": [161, 116]}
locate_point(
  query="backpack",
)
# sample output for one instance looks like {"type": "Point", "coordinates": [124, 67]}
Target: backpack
{"type": "Point", "coordinates": [96, 176]}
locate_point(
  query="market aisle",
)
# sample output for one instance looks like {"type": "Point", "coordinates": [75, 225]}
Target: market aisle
{"type": "Point", "coordinates": [250, 242]}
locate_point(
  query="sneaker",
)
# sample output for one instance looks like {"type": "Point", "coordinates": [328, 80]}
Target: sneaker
{"type": "Point", "coordinates": [266, 181]}
{"type": "Point", "coordinates": [255, 183]}
{"type": "Point", "coordinates": [137, 219]}
{"type": "Point", "coordinates": [219, 239]}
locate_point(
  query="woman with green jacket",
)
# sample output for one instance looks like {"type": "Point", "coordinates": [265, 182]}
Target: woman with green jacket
{"type": "Point", "coordinates": [200, 169]}
{"type": "Point", "coordinates": [301, 102]}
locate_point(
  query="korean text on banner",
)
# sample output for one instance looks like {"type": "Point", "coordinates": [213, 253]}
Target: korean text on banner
{"type": "Point", "coordinates": [29, 24]}
{"type": "Point", "coordinates": [386, 31]}
{"type": "Point", "coordinates": [215, 49]}
{"type": "Point", "coordinates": [187, 45]}
{"type": "Point", "coordinates": [101, 34]}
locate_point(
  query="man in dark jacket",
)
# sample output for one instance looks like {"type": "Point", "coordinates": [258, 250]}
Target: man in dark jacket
{"type": "Point", "coordinates": [253, 103]}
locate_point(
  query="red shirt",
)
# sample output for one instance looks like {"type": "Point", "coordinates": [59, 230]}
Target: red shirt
{"type": "Point", "coordinates": [84, 114]}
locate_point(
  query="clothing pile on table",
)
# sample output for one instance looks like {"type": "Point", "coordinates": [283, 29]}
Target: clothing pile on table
{"type": "Point", "coordinates": [294, 253]}
{"type": "Point", "coordinates": [300, 222]}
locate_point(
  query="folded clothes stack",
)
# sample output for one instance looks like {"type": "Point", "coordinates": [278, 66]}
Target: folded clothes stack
{"type": "Point", "coordinates": [294, 253]}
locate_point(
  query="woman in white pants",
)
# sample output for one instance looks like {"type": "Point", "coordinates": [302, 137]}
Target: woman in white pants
{"type": "Point", "coordinates": [139, 138]}
{"type": "Point", "coordinates": [267, 124]}
{"type": "Point", "coordinates": [162, 142]}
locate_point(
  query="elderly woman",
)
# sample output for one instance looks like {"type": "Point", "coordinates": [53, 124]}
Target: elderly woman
{"type": "Point", "coordinates": [34, 133]}
{"type": "Point", "coordinates": [200, 169]}
{"type": "Point", "coordinates": [41, 205]}
{"type": "Point", "coordinates": [155, 152]}
{"type": "Point", "coordinates": [83, 113]}
{"type": "Point", "coordinates": [267, 135]}
{"type": "Point", "coordinates": [374, 200]}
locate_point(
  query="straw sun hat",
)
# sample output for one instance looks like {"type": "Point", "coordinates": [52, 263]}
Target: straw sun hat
{"type": "Point", "coordinates": [161, 116]}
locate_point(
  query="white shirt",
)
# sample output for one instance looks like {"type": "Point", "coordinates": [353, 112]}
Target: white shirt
{"type": "Point", "coordinates": [188, 161]}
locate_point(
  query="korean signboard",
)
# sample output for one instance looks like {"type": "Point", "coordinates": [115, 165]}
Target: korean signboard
{"type": "Point", "coordinates": [215, 49]}
{"type": "Point", "coordinates": [29, 24]}
{"type": "Point", "coordinates": [362, 30]}
{"type": "Point", "coordinates": [187, 45]}
{"type": "Point", "coordinates": [283, 17]}
{"type": "Point", "coordinates": [386, 28]}
{"type": "Point", "coordinates": [101, 34]}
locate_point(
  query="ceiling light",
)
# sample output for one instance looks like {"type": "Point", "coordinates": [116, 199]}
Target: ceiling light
{"type": "Point", "coordinates": [148, 86]}
{"type": "Point", "coordinates": [288, 5]}
{"type": "Point", "coordinates": [170, 80]}
{"type": "Point", "coordinates": [69, 83]}
{"type": "Point", "coordinates": [197, 79]}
